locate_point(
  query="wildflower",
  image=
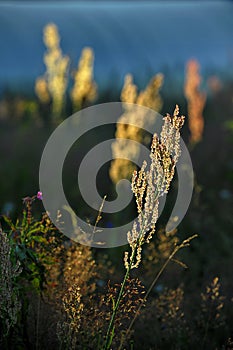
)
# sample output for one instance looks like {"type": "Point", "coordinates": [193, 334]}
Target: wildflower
{"type": "Point", "coordinates": [41, 90]}
{"type": "Point", "coordinates": [85, 88]}
{"type": "Point", "coordinates": [196, 101]}
{"type": "Point", "coordinates": [129, 91]}
{"type": "Point", "coordinates": [149, 185]}
{"type": "Point", "coordinates": [39, 195]}
{"type": "Point", "coordinates": [124, 152]}
{"type": "Point", "coordinates": [52, 86]}
{"type": "Point", "coordinates": [212, 305]}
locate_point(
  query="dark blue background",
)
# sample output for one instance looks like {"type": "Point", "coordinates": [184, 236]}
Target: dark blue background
{"type": "Point", "coordinates": [137, 37]}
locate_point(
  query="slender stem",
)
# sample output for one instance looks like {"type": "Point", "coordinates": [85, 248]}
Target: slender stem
{"type": "Point", "coordinates": [111, 323]}
{"type": "Point", "coordinates": [146, 295]}
{"type": "Point", "coordinates": [184, 244]}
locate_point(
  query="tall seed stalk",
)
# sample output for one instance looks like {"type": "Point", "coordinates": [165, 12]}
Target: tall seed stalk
{"type": "Point", "coordinates": [148, 186]}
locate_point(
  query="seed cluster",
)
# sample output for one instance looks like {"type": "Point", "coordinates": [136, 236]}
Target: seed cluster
{"type": "Point", "coordinates": [149, 185]}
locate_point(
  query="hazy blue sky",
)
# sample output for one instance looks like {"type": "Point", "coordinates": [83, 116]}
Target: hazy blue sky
{"type": "Point", "coordinates": [126, 36]}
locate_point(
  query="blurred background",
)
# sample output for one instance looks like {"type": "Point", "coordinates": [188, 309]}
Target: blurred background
{"type": "Point", "coordinates": [129, 36]}
{"type": "Point", "coordinates": [140, 38]}
{"type": "Point", "coordinates": [59, 57]}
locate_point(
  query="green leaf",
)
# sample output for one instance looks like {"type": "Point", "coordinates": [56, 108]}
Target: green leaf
{"type": "Point", "coordinates": [32, 255]}
{"type": "Point", "coordinates": [40, 239]}
{"type": "Point", "coordinates": [36, 283]}
{"type": "Point", "coordinates": [9, 222]}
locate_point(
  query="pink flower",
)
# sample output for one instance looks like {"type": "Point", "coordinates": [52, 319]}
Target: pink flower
{"type": "Point", "coordinates": [39, 195]}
